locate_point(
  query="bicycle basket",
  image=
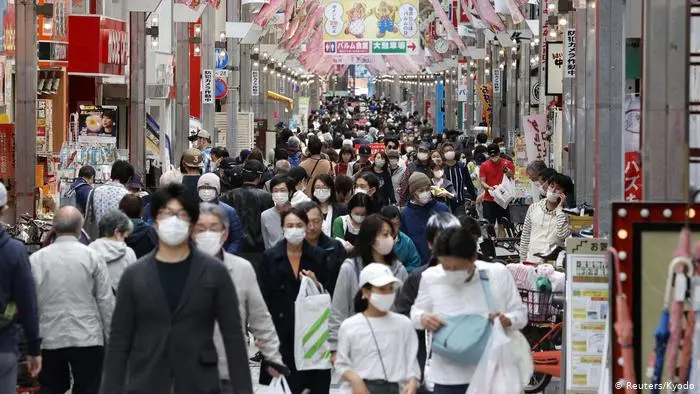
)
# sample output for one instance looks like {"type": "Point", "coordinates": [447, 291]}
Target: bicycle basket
{"type": "Point", "coordinates": [539, 305]}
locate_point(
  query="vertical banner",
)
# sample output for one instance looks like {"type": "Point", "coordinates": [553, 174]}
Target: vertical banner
{"type": "Point", "coordinates": [570, 53]}
{"type": "Point", "coordinates": [428, 116]}
{"type": "Point", "coordinates": [554, 81]}
{"type": "Point", "coordinates": [255, 83]}
{"type": "Point", "coordinates": [486, 95]}
{"type": "Point", "coordinates": [7, 151]}
{"type": "Point", "coordinates": [207, 86]}
{"type": "Point", "coordinates": [630, 141]}
{"type": "Point", "coordinates": [462, 93]}
{"type": "Point", "coordinates": [282, 84]}
{"type": "Point", "coordinates": [535, 130]}
{"type": "Point", "coordinates": [633, 176]}
{"type": "Point", "coordinates": [41, 126]}
{"type": "Point", "coordinates": [497, 82]}
{"type": "Point", "coordinates": [440, 121]}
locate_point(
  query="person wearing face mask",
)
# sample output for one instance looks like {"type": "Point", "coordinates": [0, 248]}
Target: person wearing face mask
{"type": "Point", "coordinates": [397, 170]}
{"type": "Point", "coordinates": [375, 244]}
{"type": "Point", "coordinates": [346, 157]}
{"type": "Point", "coordinates": [502, 148]}
{"type": "Point", "coordinates": [346, 227]}
{"type": "Point", "coordinates": [164, 343]}
{"type": "Point", "coordinates": [533, 171]}
{"type": "Point", "coordinates": [545, 176]}
{"type": "Point", "coordinates": [300, 179]}
{"type": "Point", "coordinates": [377, 178]}
{"type": "Point", "coordinates": [491, 174]}
{"type": "Point", "coordinates": [546, 224]}
{"type": "Point", "coordinates": [417, 212]}
{"type": "Point", "coordinates": [460, 285]}
{"type": "Point", "coordinates": [280, 280]}
{"type": "Point", "coordinates": [404, 248]}
{"type": "Point", "coordinates": [436, 157]}
{"type": "Point", "coordinates": [362, 362]}
{"type": "Point", "coordinates": [442, 189]}
{"type": "Point", "coordinates": [209, 234]}
{"type": "Point", "coordinates": [208, 188]}
{"type": "Point", "coordinates": [271, 219]}
{"type": "Point", "coordinates": [457, 173]}
{"type": "Point", "coordinates": [421, 164]}
{"type": "Point", "coordinates": [315, 165]}
{"type": "Point", "coordinates": [115, 227]}
{"type": "Point", "coordinates": [364, 154]}
{"type": "Point", "coordinates": [323, 194]}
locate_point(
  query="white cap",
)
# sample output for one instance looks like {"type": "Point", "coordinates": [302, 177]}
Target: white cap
{"type": "Point", "coordinates": [377, 275]}
{"type": "Point", "coordinates": [347, 143]}
{"type": "Point", "coordinates": [3, 195]}
{"type": "Point", "coordinates": [203, 134]}
{"type": "Point", "coordinates": [209, 180]}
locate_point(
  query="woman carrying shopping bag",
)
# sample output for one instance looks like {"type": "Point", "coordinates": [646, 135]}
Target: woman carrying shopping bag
{"type": "Point", "coordinates": [377, 349]}
{"type": "Point", "coordinates": [286, 265]}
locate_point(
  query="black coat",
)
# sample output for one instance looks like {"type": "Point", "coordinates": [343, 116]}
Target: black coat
{"type": "Point", "coordinates": [151, 350]}
{"type": "Point", "coordinates": [143, 240]}
{"type": "Point", "coordinates": [280, 288]}
{"type": "Point", "coordinates": [250, 202]}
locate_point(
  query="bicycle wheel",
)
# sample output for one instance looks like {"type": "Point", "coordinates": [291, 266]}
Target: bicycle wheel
{"type": "Point", "coordinates": [538, 381]}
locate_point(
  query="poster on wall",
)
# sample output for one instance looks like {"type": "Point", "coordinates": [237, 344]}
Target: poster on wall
{"type": "Point", "coordinates": [44, 116]}
{"type": "Point", "coordinates": [554, 83]}
{"type": "Point", "coordinates": [380, 28]}
{"type": "Point", "coordinates": [535, 130]}
{"type": "Point", "coordinates": [98, 124]}
{"type": "Point", "coordinates": [7, 151]}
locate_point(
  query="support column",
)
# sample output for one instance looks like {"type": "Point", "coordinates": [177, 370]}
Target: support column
{"type": "Point", "coordinates": [234, 50]}
{"type": "Point", "coordinates": [524, 83]}
{"type": "Point", "coordinates": [584, 148]}
{"type": "Point", "coordinates": [209, 36]}
{"type": "Point", "coordinates": [182, 91]}
{"type": "Point", "coordinates": [137, 91]}
{"type": "Point", "coordinates": [496, 59]}
{"type": "Point", "coordinates": [396, 89]}
{"type": "Point", "coordinates": [471, 100]}
{"type": "Point", "coordinates": [511, 92]}
{"type": "Point", "coordinates": [664, 116]}
{"type": "Point", "coordinates": [610, 77]}
{"type": "Point", "coordinates": [25, 90]}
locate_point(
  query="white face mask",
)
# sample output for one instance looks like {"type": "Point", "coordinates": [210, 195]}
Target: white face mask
{"type": "Point", "coordinates": [383, 302]}
{"type": "Point", "coordinates": [379, 163]}
{"type": "Point", "coordinates": [450, 155]}
{"type": "Point", "coordinates": [456, 278]}
{"type": "Point", "coordinates": [322, 195]}
{"type": "Point", "coordinates": [424, 197]}
{"type": "Point", "coordinates": [358, 218]}
{"type": "Point", "coordinates": [438, 174]}
{"type": "Point", "coordinates": [209, 242]}
{"type": "Point", "coordinates": [422, 156]}
{"type": "Point", "coordinates": [280, 198]}
{"type": "Point", "coordinates": [295, 235]}
{"type": "Point", "coordinates": [173, 231]}
{"type": "Point", "coordinates": [360, 191]}
{"type": "Point", "coordinates": [383, 245]}
{"type": "Point", "coordinates": [207, 195]}
{"type": "Point", "coordinates": [552, 196]}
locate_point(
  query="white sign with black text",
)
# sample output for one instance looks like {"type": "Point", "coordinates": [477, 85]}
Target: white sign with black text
{"type": "Point", "coordinates": [462, 93]}
{"type": "Point", "coordinates": [570, 53]}
{"type": "Point", "coordinates": [255, 83]}
{"type": "Point", "coordinates": [554, 84]}
{"type": "Point", "coordinates": [207, 86]}
{"type": "Point", "coordinates": [497, 81]}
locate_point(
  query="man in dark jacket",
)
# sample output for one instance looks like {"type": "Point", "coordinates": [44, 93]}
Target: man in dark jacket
{"type": "Point", "coordinates": [250, 201]}
{"type": "Point", "coordinates": [161, 339]}
{"type": "Point", "coordinates": [143, 239]}
{"type": "Point", "coordinates": [17, 293]}
{"type": "Point", "coordinates": [83, 186]}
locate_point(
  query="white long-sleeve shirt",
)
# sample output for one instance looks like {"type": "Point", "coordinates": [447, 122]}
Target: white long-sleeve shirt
{"type": "Point", "coordinates": [542, 229]}
{"type": "Point", "coordinates": [437, 296]}
{"type": "Point", "coordinates": [398, 344]}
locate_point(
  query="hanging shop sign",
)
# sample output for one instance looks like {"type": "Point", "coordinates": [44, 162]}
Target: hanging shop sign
{"type": "Point", "coordinates": [428, 116]}
{"type": "Point", "coordinates": [351, 59]}
{"type": "Point", "coordinates": [554, 82]}
{"type": "Point", "coordinates": [570, 53]}
{"type": "Point", "coordinates": [99, 46]}
{"type": "Point", "coordinates": [486, 95]}
{"type": "Point", "coordinates": [9, 30]}
{"type": "Point", "coordinates": [255, 83]}
{"type": "Point", "coordinates": [98, 124]}
{"type": "Point", "coordinates": [535, 127]}
{"type": "Point", "coordinates": [374, 148]}
{"type": "Point", "coordinates": [462, 93]}
{"type": "Point", "coordinates": [633, 176]}
{"type": "Point", "coordinates": [282, 85]}
{"type": "Point", "coordinates": [497, 80]}
{"type": "Point", "coordinates": [207, 86]}
{"type": "Point", "coordinates": [587, 311]}
{"type": "Point", "coordinates": [353, 28]}
{"type": "Point", "coordinates": [7, 151]}
{"type": "Point", "coordinates": [44, 117]}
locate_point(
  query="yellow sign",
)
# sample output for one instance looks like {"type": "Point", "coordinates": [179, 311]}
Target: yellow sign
{"type": "Point", "coordinates": [380, 27]}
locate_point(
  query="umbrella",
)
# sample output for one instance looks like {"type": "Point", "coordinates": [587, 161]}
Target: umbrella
{"type": "Point", "coordinates": [624, 327]}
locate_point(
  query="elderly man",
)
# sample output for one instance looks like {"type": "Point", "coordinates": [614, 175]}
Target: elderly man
{"type": "Point", "coordinates": [281, 168]}
{"type": "Point", "coordinates": [75, 303]}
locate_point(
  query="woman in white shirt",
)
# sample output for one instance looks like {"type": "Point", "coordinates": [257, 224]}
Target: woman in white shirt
{"type": "Point", "coordinates": [452, 288]}
{"type": "Point", "coordinates": [271, 222]}
{"type": "Point", "coordinates": [377, 349]}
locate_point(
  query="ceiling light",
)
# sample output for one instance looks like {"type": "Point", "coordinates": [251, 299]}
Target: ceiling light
{"type": "Point", "coordinates": [563, 21]}
{"type": "Point", "coordinates": [551, 6]}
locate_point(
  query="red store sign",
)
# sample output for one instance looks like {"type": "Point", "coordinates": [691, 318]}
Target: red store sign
{"type": "Point", "coordinates": [99, 46]}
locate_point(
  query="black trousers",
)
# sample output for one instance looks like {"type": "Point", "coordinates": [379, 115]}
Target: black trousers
{"type": "Point", "coordinates": [84, 363]}
{"type": "Point", "coordinates": [493, 212]}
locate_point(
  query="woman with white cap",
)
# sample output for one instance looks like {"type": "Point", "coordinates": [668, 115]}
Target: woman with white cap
{"type": "Point", "coordinates": [377, 349]}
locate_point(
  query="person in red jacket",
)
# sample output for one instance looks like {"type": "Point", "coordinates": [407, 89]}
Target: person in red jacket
{"type": "Point", "coordinates": [491, 173]}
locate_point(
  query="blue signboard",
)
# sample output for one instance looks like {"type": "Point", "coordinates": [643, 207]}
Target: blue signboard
{"type": "Point", "coordinates": [220, 89]}
{"type": "Point", "coordinates": [221, 58]}
{"type": "Point", "coordinates": [440, 98]}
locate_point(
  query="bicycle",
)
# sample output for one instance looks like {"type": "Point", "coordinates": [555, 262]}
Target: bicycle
{"type": "Point", "coordinates": [545, 312]}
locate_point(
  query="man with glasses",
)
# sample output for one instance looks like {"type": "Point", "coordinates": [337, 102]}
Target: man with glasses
{"type": "Point", "coordinates": [167, 304]}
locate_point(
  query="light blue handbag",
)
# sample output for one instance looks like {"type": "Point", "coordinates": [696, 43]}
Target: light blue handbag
{"type": "Point", "coordinates": [464, 337]}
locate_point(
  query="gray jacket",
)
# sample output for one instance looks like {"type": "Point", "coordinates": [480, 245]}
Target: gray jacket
{"type": "Point", "coordinates": [117, 255]}
{"type": "Point", "coordinates": [253, 310]}
{"type": "Point", "coordinates": [346, 287]}
{"type": "Point", "coordinates": [152, 350]}
{"type": "Point", "coordinates": [74, 294]}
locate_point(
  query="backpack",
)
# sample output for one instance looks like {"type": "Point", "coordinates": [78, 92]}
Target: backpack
{"type": "Point", "coordinates": [70, 197]}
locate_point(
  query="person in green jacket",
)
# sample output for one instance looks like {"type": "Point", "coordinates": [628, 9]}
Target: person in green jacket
{"type": "Point", "coordinates": [404, 248]}
{"type": "Point", "coordinates": [345, 228]}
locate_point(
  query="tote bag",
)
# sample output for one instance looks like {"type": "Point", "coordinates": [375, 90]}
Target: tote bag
{"type": "Point", "coordinates": [312, 310]}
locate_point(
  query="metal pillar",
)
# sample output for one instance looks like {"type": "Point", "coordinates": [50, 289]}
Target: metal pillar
{"type": "Point", "coordinates": [182, 91]}
{"type": "Point", "coordinates": [209, 36]}
{"type": "Point", "coordinates": [610, 77]}
{"type": "Point", "coordinates": [511, 91]}
{"type": "Point", "coordinates": [137, 91]}
{"type": "Point", "coordinates": [396, 89]}
{"type": "Point", "coordinates": [664, 109]}
{"type": "Point", "coordinates": [524, 83]}
{"type": "Point", "coordinates": [584, 149]}
{"type": "Point", "coordinates": [471, 100]}
{"type": "Point", "coordinates": [25, 131]}
{"type": "Point", "coordinates": [496, 59]}
{"type": "Point", "coordinates": [234, 50]}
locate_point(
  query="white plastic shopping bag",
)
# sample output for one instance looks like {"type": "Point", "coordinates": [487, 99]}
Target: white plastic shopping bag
{"type": "Point", "coordinates": [428, 384]}
{"type": "Point", "coordinates": [497, 371]}
{"type": "Point", "coordinates": [504, 193]}
{"type": "Point", "coordinates": [277, 386]}
{"type": "Point", "coordinates": [312, 310]}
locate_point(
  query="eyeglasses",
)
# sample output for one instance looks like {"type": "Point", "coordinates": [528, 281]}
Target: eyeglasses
{"type": "Point", "coordinates": [168, 213]}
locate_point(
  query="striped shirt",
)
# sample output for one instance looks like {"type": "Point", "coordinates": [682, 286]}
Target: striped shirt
{"type": "Point", "coordinates": [457, 175]}
{"type": "Point", "coordinates": [542, 230]}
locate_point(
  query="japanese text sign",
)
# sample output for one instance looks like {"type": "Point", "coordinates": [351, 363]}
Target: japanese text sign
{"type": "Point", "coordinates": [207, 86]}
{"type": "Point", "coordinates": [7, 149]}
{"type": "Point", "coordinates": [255, 83]}
{"type": "Point", "coordinates": [633, 176]}
{"type": "Point", "coordinates": [496, 79]}
{"type": "Point", "coordinates": [486, 95]}
{"type": "Point", "coordinates": [554, 83]}
{"type": "Point", "coordinates": [535, 127]}
{"type": "Point", "coordinates": [570, 53]}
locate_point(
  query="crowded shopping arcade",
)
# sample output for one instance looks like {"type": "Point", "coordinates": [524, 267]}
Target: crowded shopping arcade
{"type": "Point", "coordinates": [349, 196]}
